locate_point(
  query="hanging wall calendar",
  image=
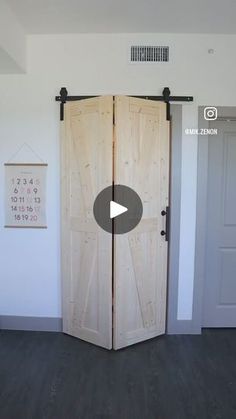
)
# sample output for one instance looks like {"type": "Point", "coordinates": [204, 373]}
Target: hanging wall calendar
{"type": "Point", "coordinates": [25, 195]}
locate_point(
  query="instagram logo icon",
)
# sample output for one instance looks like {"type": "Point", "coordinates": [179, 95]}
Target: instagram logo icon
{"type": "Point", "coordinates": [210, 113]}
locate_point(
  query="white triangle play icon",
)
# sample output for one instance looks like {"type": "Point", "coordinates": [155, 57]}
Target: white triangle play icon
{"type": "Point", "coordinates": [116, 209]}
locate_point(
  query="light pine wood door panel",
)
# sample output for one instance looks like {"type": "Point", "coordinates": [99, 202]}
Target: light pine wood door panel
{"type": "Point", "coordinates": [140, 256]}
{"type": "Point", "coordinates": [87, 132]}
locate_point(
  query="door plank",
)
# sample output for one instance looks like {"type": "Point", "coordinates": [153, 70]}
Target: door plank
{"type": "Point", "coordinates": [86, 150]}
{"type": "Point", "coordinates": [140, 256]}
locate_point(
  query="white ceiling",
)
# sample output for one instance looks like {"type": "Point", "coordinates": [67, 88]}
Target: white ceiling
{"type": "Point", "coordinates": [175, 16]}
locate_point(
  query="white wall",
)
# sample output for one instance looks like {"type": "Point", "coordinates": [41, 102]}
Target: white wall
{"type": "Point", "coordinates": [12, 42]}
{"type": "Point", "coordinates": [97, 64]}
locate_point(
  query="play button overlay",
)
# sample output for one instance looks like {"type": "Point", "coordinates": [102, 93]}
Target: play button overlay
{"type": "Point", "coordinates": [118, 209]}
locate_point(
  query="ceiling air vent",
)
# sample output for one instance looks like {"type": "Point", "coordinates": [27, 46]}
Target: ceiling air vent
{"type": "Point", "coordinates": [147, 54]}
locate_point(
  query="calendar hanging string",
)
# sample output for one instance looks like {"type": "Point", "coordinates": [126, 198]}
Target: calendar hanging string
{"type": "Point", "coordinates": [21, 148]}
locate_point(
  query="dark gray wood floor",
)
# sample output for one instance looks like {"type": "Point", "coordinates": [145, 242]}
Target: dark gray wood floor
{"type": "Point", "coordinates": [54, 376]}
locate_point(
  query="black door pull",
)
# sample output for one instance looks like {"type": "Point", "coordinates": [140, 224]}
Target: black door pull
{"type": "Point", "coordinates": [167, 229]}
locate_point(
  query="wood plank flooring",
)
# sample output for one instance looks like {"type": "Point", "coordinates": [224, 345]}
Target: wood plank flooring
{"type": "Point", "coordinates": [54, 376]}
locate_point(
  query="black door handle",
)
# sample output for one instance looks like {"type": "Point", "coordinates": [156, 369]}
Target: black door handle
{"type": "Point", "coordinates": [166, 232]}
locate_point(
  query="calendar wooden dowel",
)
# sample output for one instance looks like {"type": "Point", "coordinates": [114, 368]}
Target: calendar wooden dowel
{"type": "Point", "coordinates": [43, 227]}
{"type": "Point", "coordinates": [25, 164]}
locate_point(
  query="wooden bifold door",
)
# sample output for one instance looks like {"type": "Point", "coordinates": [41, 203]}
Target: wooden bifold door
{"type": "Point", "coordinates": [114, 286]}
